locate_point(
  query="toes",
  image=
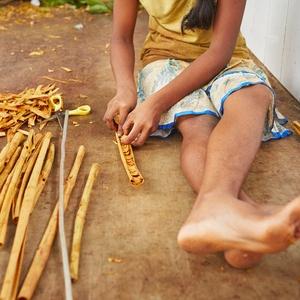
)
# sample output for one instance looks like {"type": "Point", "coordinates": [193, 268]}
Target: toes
{"type": "Point", "coordinates": [293, 214]}
{"type": "Point", "coordinates": [242, 259]}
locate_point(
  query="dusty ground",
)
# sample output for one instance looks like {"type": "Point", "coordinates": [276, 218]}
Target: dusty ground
{"type": "Point", "coordinates": [137, 226]}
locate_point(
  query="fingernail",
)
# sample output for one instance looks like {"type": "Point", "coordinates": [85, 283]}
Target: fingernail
{"type": "Point", "coordinates": [123, 139]}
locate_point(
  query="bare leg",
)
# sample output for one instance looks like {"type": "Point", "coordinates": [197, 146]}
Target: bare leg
{"type": "Point", "coordinates": [195, 132]}
{"type": "Point", "coordinates": [219, 221]}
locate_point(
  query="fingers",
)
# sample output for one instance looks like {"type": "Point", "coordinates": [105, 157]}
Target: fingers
{"type": "Point", "coordinates": [109, 119]}
{"type": "Point", "coordinates": [123, 113]}
{"type": "Point", "coordinates": [141, 139]}
{"type": "Point", "coordinates": [132, 136]}
{"type": "Point", "coordinates": [126, 128]}
{"type": "Point", "coordinates": [113, 109]}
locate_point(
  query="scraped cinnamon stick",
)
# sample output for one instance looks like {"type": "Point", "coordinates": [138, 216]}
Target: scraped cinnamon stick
{"type": "Point", "coordinates": [17, 139]}
{"type": "Point", "coordinates": [25, 178]}
{"type": "Point", "coordinates": [80, 220]}
{"type": "Point", "coordinates": [296, 127]}
{"type": "Point", "coordinates": [4, 189]}
{"type": "Point", "coordinates": [127, 157]}
{"type": "Point", "coordinates": [45, 173]}
{"type": "Point", "coordinates": [9, 167]}
{"type": "Point", "coordinates": [9, 149]}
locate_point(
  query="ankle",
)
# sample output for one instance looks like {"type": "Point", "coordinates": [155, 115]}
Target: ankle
{"type": "Point", "coordinates": [220, 188]}
{"type": "Point", "coordinates": [209, 195]}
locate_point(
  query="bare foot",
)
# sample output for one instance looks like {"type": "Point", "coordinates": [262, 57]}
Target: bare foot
{"type": "Point", "coordinates": [222, 223]}
{"type": "Point", "coordinates": [266, 208]}
{"type": "Point", "coordinates": [242, 259]}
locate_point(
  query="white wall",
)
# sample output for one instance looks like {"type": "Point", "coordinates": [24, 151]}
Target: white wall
{"type": "Point", "coordinates": [272, 31]}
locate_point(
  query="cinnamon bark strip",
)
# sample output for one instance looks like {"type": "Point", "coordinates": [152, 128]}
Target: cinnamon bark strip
{"type": "Point", "coordinates": [25, 178]}
{"type": "Point", "coordinates": [3, 154]}
{"type": "Point", "coordinates": [296, 127]}
{"type": "Point", "coordinates": [10, 148]}
{"type": "Point", "coordinates": [12, 188]}
{"type": "Point", "coordinates": [80, 220]}
{"type": "Point", "coordinates": [45, 173]}
{"type": "Point", "coordinates": [127, 157]}
{"type": "Point", "coordinates": [42, 253]}
{"type": "Point", "coordinates": [4, 189]}
{"type": "Point", "coordinates": [18, 269]}
{"type": "Point", "coordinates": [17, 139]}
{"type": "Point", "coordinates": [10, 282]}
{"type": "Point", "coordinates": [9, 167]}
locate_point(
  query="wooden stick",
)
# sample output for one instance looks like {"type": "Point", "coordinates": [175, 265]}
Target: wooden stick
{"type": "Point", "coordinates": [16, 204]}
{"type": "Point", "coordinates": [10, 280]}
{"type": "Point", "coordinates": [42, 253]}
{"type": "Point", "coordinates": [129, 163]}
{"type": "Point", "coordinates": [27, 172]}
{"type": "Point", "coordinates": [296, 127]}
{"type": "Point", "coordinates": [12, 189]}
{"type": "Point", "coordinates": [19, 269]}
{"type": "Point", "coordinates": [9, 167]}
{"type": "Point", "coordinates": [80, 220]}
{"type": "Point", "coordinates": [45, 173]}
{"type": "Point", "coordinates": [4, 189]}
{"type": "Point", "coordinates": [3, 154]}
{"type": "Point", "coordinates": [10, 149]}
{"type": "Point", "coordinates": [14, 144]}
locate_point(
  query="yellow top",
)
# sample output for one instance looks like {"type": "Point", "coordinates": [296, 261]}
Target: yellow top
{"type": "Point", "coordinates": [165, 39]}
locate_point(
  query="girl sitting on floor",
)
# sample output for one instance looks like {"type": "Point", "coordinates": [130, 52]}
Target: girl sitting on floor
{"type": "Point", "coordinates": [198, 77]}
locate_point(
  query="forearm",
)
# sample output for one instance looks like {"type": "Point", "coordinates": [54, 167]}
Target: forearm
{"type": "Point", "coordinates": [122, 62]}
{"type": "Point", "coordinates": [199, 73]}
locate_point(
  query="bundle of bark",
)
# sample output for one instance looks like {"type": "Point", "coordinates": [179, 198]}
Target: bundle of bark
{"type": "Point", "coordinates": [28, 107]}
{"type": "Point", "coordinates": [18, 160]}
{"type": "Point", "coordinates": [25, 164]}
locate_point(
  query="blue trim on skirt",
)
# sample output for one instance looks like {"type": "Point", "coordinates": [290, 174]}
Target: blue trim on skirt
{"type": "Point", "coordinates": [186, 113]}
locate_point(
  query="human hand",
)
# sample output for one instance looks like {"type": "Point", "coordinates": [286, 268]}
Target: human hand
{"type": "Point", "coordinates": [122, 103]}
{"type": "Point", "coordinates": [140, 123]}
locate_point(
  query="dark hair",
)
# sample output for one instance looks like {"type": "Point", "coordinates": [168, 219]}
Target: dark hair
{"type": "Point", "coordinates": [200, 16]}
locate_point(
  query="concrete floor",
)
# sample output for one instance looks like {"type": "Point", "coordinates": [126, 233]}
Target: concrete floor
{"type": "Point", "coordinates": [137, 226]}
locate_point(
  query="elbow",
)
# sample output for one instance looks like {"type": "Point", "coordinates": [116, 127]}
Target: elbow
{"type": "Point", "coordinates": [121, 39]}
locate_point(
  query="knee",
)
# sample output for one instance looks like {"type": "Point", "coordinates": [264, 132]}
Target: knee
{"type": "Point", "coordinates": [195, 128]}
{"type": "Point", "coordinates": [262, 96]}
{"type": "Point", "coordinates": [251, 101]}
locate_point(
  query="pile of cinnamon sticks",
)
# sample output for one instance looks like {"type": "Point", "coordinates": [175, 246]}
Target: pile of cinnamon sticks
{"type": "Point", "coordinates": [18, 160]}
{"type": "Point", "coordinates": [25, 164]}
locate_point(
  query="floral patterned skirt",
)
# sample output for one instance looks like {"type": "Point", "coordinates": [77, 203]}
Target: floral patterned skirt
{"type": "Point", "coordinates": [210, 99]}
